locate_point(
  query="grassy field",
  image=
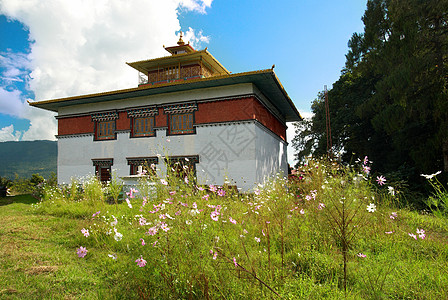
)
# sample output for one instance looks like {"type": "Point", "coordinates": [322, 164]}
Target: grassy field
{"type": "Point", "coordinates": [330, 235]}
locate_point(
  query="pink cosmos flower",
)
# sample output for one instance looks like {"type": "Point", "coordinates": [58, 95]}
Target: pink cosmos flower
{"type": "Point", "coordinates": [155, 243]}
{"type": "Point", "coordinates": [142, 221]}
{"type": "Point", "coordinates": [233, 221]}
{"type": "Point", "coordinates": [421, 233]}
{"type": "Point", "coordinates": [366, 160]}
{"type": "Point", "coordinates": [164, 227]}
{"type": "Point", "coordinates": [381, 180]}
{"type": "Point", "coordinates": [257, 239]}
{"type": "Point", "coordinates": [152, 231]}
{"type": "Point", "coordinates": [221, 193]}
{"type": "Point", "coordinates": [163, 181]}
{"type": "Point", "coordinates": [212, 188]}
{"type": "Point", "coordinates": [320, 206]}
{"type": "Point", "coordinates": [389, 232]}
{"type": "Point", "coordinates": [257, 192]}
{"type": "Point", "coordinates": [302, 211]}
{"type": "Point", "coordinates": [131, 193]}
{"type": "Point", "coordinates": [85, 232]}
{"type": "Point", "coordinates": [172, 192]}
{"type": "Point", "coordinates": [200, 188]}
{"type": "Point", "coordinates": [215, 255]}
{"type": "Point", "coordinates": [143, 242]}
{"type": "Point", "coordinates": [393, 215]}
{"type": "Point", "coordinates": [81, 251]}
{"type": "Point", "coordinates": [214, 215]}
{"type": "Point", "coordinates": [177, 213]}
{"type": "Point", "coordinates": [194, 205]}
{"type": "Point", "coordinates": [205, 197]}
{"type": "Point", "coordinates": [96, 214]}
{"type": "Point", "coordinates": [361, 255]}
{"type": "Point", "coordinates": [140, 262]}
{"type": "Point", "coordinates": [366, 169]}
{"type": "Point", "coordinates": [234, 262]}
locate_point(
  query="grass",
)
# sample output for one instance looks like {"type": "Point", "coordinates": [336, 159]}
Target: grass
{"type": "Point", "coordinates": [275, 243]}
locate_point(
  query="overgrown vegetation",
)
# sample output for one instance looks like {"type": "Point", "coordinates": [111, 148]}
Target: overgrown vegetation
{"type": "Point", "coordinates": [329, 233]}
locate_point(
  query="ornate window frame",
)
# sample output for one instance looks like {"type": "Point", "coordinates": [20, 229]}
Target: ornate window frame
{"type": "Point", "coordinates": [135, 162]}
{"type": "Point", "coordinates": [183, 115]}
{"type": "Point", "coordinates": [141, 113]}
{"type": "Point", "coordinates": [105, 119]}
{"type": "Point", "coordinates": [103, 168]}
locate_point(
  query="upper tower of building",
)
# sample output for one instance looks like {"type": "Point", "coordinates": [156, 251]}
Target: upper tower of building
{"type": "Point", "coordinates": [185, 63]}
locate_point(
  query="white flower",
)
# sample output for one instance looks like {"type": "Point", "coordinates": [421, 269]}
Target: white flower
{"type": "Point", "coordinates": [432, 175]}
{"type": "Point", "coordinates": [391, 190]}
{"type": "Point", "coordinates": [371, 207]}
{"type": "Point", "coordinates": [188, 222]}
{"type": "Point", "coordinates": [118, 236]}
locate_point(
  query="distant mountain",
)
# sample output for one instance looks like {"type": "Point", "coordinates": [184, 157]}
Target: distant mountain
{"type": "Point", "coordinates": [28, 157]}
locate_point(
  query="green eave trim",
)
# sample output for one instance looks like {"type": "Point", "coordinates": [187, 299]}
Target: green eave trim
{"type": "Point", "coordinates": [266, 81]}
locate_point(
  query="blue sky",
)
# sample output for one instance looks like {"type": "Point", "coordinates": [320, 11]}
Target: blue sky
{"type": "Point", "coordinates": [58, 48]}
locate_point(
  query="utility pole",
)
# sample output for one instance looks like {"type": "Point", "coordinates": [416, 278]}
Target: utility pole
{"type": "Point", "coordinates": [327, 121]}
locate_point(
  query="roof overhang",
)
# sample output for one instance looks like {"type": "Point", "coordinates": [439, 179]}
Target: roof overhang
{"type": "Point", "coordinates": [202, 56]}
{"type": "Point", "coordinates": [265, 80]}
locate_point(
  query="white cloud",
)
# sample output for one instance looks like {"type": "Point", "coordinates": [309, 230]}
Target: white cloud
{"type": "Point", "coordinates": [11, 103]}
{"type": "Point", "coordinates": [196, 39]}
{"type": "Point", "coordinates": [15, 67]}
{"type": "Point", "coordinates": [199, 6]}
{"type": "Point", "coordinates": [81, 47]}
{"type": "Point", "coordinates": [7, 134]}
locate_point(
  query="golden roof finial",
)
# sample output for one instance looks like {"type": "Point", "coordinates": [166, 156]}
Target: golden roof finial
{"type": "Point", "coordinates": [180, 42]}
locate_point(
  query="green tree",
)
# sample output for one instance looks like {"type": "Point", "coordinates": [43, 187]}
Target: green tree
{"type": "Point", "coordinates": [390, 102]}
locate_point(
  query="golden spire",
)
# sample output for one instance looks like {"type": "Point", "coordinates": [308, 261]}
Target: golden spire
{"type": "Point", "coordinates": [180, 42]}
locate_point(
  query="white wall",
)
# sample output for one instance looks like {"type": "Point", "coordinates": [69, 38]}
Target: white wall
{"type": "Point", "coordinates": [271, 155]}
{"type": "Point", "coordinates": [225, 150]}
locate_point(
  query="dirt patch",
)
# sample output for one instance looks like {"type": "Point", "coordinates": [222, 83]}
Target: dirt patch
{"type": "Point", "coordinates": [8, 291]}
{"type": "Point", "coordinates": [41, 270]}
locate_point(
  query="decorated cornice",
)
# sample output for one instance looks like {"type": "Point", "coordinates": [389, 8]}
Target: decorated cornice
{"type": "Point", "coordinates": [105, 116]}
{"type": "Point", "coordinates": [77, 135]}
{"type": "Point", "coordinates": [185, 159]}
{"type": "Point", "coordinates": [102, 162]}
{"type": "Point", "coordinates": [138, 161]}
{"type": "Point", "coordinates": [143, 112]}
{"type": "Point", "coordinates": [180, 108]}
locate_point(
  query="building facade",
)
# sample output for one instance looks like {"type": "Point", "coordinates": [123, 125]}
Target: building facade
{"type": "Point", "coordinates": [188, 108]}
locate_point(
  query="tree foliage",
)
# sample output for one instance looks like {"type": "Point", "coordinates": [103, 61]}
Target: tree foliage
{"type": "Point", "coordinates": [391, 100]}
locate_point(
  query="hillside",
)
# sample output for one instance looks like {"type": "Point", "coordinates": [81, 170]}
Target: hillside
{"type": "Point", "coordinates": [28, 157]}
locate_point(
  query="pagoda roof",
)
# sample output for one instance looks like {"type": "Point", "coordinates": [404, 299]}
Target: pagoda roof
{"type": "Point", "coordinates": [265, 80]}
{"type": "Point", "coordinates": [202, 56]}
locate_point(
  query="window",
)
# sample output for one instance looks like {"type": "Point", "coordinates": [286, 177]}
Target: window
{"type": "Point", "coordinates": [105, 130]}
{"type": "Point", "coordinates": [143, 127]}
{"type": "Point", "coordinates": [103, 168]}
{"type": "Point", "coordinates": [144, 163]}
{"type": "Point", "coordinates": [181, 118]}
{"type": "Point", "coordinates": [183, 166]}
{"type": "Point", "coordinates": [181, 123]}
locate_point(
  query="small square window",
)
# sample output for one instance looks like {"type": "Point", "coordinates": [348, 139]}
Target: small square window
{"type": "Point", "coordinates": [143, 127]}
{"type": "Point", "coordinates": [105, 130]}
{"type": "Point", "coordinates": [181, 123]}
